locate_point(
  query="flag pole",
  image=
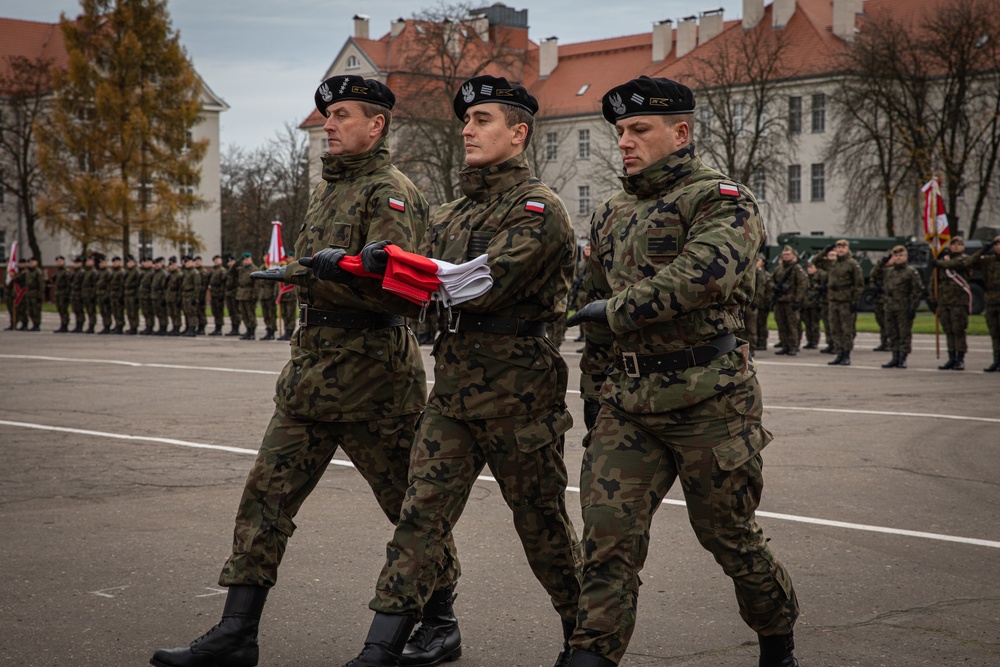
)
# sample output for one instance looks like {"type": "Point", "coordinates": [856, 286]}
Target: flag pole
{"type": "Point", "coordinates": [936, 250]}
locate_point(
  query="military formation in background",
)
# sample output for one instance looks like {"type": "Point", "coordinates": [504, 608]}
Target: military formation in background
{"type": "Point", "coordinates": [822, 293]}
{"type": "Point", "coordinates": [154, 297]}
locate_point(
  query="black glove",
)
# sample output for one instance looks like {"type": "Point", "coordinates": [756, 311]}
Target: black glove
{"type": "Point", "coordinates": [591, 406]}
{"type": "Point", "coordinates": [592, 312]}
{"type": "Point", "coordinates": [277, 273]}
{"type": "Point", "coordinates": [325, 265]}
{"type": "Point", "coordinates": [374, 258]}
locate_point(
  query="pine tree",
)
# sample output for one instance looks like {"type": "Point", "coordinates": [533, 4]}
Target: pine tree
{"type": "Point", "coordinates": [117, 155]}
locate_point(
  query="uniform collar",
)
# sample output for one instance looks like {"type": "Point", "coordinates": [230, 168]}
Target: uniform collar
{"type": "Point", "coordinates": [348, 167]}
{"type": "Point", "coordinates": [481, 184]}
{"type": "Point", "coordinates": [661, 176]}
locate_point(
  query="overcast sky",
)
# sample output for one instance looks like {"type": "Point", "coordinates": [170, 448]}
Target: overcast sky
{"type": "Point", "coordinates": [265, 57]}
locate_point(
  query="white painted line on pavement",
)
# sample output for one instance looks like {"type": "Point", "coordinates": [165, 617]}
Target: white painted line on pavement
{"type": "Point", "coordinates": [858, 367]}
{"type": "Point", "coordinates": [136, 364]}
{"type": "Point", "coordinates": [885, 413]}
{"type": "Point", "coordinates": [486, 478]}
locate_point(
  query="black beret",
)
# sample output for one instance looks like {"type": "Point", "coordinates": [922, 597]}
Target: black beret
{"type": "Point", "coordinates": [129, 258]}
{"type": "Point", "coordinates": [79, 258]}
{"type": "Point", "coordinates": [215, 257]}
{"type": "Point", "coordinates": [116, 258]}
{"type": "Point", "coordinates": [173, 259]}
{"type": "Point", "coordinates": [58, 257]}
{"type": "Point", "coordinates": [22, 261]}
{"type": "Point", "coordinates": [353, 87]}
{"type": "Point", "coordinates": [197, 257]}
{"type": "Point", "coordinates": [647, 97]}
{"type": "Point", "coordinates": [483, 89]}
{"type": "Point", "coordinates": [158, 259]}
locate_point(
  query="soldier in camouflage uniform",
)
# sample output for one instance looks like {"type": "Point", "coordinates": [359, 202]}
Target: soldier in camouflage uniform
{"type": "Point", "coordinates": [76, 295]}
{"type": "Point", "coordinates": [146, 276]}
{"type": "Point", "coordinates": [812, 306]}
{"type": "Point", "coordinates": [232, 304]}
{"type": "Point", "coordinates": [246, 296]}
{"type": "Point", "coordinates": [217, 295]}
{"type": "Point", "coordinates": [88, 291]}
{"type": "Point", "coordinates": [954, 300]}
{"type": "Point", "coordinates": [347, 333]}
{"type": "Point", "coordinates": [203, 274]}
{"type": "Point", "coordinates": [34, 282]}
{"type": "Point", "coordinates": [988, 259]}
{"type": "Point", "coordinates": [831, 256]}
{"type": "Point", "coordinates": [190, 297]}
{"type": "Point", "coordinates": [788, 287]}
{"type": "Point", "coordinates": [62, 283]}
{"type": "Point", "coordinates": [490, 356]}
{"type": "Point", "coordinates": [671, 274]}
{"type": "Point", "coordinates": [116, 295]}
{"type": "Point", "coordinates": [286, 305]}
{"type": "Point", "coordinates": [845, 282]}
{"type": "Point", "coordinates": [158, 295]}
{"type": "Point", "coordinates": [903, 290]}
{"type": "Point", "coordinates": [102, 294]}
{"type": "Point", "coordinates": [877, 278]}
{"type": "Point", "coordinates": [130, 291]}
{"type": "Point", "coordinates": [172, 294]}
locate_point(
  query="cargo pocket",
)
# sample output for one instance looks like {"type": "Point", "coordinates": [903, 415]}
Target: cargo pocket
{"type": "Point", "coordinates": [542, 476]}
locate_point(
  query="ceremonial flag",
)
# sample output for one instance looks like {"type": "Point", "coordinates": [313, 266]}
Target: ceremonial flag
{"type": "Point", "coordinates": [11, 263]}
{"type": "Point", "coordinates": [285, 288]}
{"type": "Point", "coordinates": [276, 253]}
{"type": "Point", "coordinates": [936, 229]}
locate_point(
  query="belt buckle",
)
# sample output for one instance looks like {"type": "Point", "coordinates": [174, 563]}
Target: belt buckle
{"type": "Point", "coordinates": [453, 323]}
{"type": "Point", "coordinates": [692, 360]}
{"type": "Point", "coordinates": [631, 369]}
{"type": "Point", "coordinates": [304, 314]}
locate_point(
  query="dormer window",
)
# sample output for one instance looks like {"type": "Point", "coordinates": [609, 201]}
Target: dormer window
{"type": "Point", "coordinates": [583, 89]}
{"type": "Point", "coordinates": [353, 62]}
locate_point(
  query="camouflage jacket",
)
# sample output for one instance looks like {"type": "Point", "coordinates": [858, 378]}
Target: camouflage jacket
{"type": "Point", "coordinates": [89, 285]}
{"type": "Point", "coordinates": [76, 288]}
{"type": "Point", "coordinates": [34, 281]}
{"type": "Point", "coordinates": [102, 285]}
{"type": "Point", "coordinates": [158, 285]}
{"type": "Point", "coordinates": [190, 285]}
{"type": "Point", "coordinates": [761, 289]}
{"type": "Point", "coordinates": [903, 288]}
{"type": "Point", "coordinates": [116, 284]}
{"type": "Point", "coordinates": [816, 291]}
{"type": "Point", "coordinates": [62, 280]}
{"type": "Point", "coordinates": [524, 229]}
{"type": "Point", "coordinates": [877, 280]}
{"type": "Point", "coordinates": [267, 290]}
{"type": "Point", "coordinates": [131, 282]}
{"type": "Point", "coordinates": [950, 292]}
{"type": "Point", "coordinates": [146, 276]}
{"type": "Point", "coordinates": [989, 262]}
{"type": "Point", "coordinates": [845, 280]}
{"type": "Point", "coordinates": [789, 283]}
{"type": "Point", "coordinates": [246, 289]}
{"type": "Point", "coordinates": [362, 198]}
{"type": "Point", "coordinates": [172, 289]}
{"type": "Point", "coordinates": [675, 255]}
{"type": "Point", "coordinates": [217, 283]}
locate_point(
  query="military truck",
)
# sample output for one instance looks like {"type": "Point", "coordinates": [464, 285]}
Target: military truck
{"type": "Point", "coordinates": [868, 250]}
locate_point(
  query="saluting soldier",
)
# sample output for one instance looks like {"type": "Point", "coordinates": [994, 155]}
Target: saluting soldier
{"type": "Point", "coordinates": [788, 286]}
{"type": "Point", "coordinates": [62, 282]}
{"type": "Point", "coordinates": [175, 282]}
{"type": "Point", "coordinates": [670, 277]}
{"type": "Point", "coordinates": [76, 294]}
{"type": "Point", "coordinates": [988, 259]}
{"type": "Point", "coordinates": [246, 296]}
{"type": "Point", "coordinates": [232, 304]}
{"type": "Point", "coordinates": [845, 282]}
{"type": "Point", "coordinates": [190, 296]}
{"type": "Point", "coordinates": [812, 306]}
{"type": "Point", "coordinates": [130, 294]}
{"type": "Point", "coordinates": [91, 277]}
{"type": "Point", "coordinates": [954, 301]}
{"type": "Point", "coordinates": [903, 290]}
{"type": "Point", "coordinates": [146, 276]}
{"type": "Point", "coordinates": [354, 381]}
{"type": "Point", "coordinates": [217, 294]}
{"type": "Point", "coordinates": [158, 295]}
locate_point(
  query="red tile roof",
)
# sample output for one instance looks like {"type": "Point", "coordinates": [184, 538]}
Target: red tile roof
{"type": "Point", "coordinates": [32, 40]}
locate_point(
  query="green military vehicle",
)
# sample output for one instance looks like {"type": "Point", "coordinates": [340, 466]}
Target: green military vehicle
{"type": "Point", "coordinates": [868, 250]}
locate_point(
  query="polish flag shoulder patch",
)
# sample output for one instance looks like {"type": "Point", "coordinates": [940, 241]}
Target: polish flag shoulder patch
{"type": "Point", "coordinates": [397, 204]}
{"type": "Point", "coordinates": [534, 206]}
{"type": "Point", "coordinates": [729, 190]}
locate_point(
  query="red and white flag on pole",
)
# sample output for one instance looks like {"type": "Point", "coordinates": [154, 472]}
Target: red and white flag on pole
{"type": "Point", "coordinates": [276, 253]}
{"type": "Point", "coordinates": [11, 263]}
{"type": "Point", "coordinates": [936, 229]}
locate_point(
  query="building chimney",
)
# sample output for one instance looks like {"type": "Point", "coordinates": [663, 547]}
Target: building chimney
{"type": "Point", "coordinates": [710, 25]}
{"type": "Point", "coordinates": [663, 39]}
{"type": "Point", "coordinates": [844, 13]}
{"type": "Point", "coordinates": [687, 35]}
{"type": "Point", "coordinates": [753, 12]}
{"type": "Point", "coordinates": [548, 56]}
{"type": "Point", "coordinates": [360, 26]}
{"type": "Point", "coordinates": [397, 27]}
{"type": "Point", "coordinates": [781, 12]}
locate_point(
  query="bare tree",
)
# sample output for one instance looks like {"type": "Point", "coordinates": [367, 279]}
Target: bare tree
{"type": "Point", "coordinates": [542, 153]}
{"type": "Point", "coordinates": [289, 152]}
{"type": "Point", "coordinates": [24, 85]}
{"type": "Point", "coordinates": [249, 192]}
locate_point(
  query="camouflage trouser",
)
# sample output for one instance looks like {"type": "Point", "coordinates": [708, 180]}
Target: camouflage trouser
{"type": "Point", "coordinates": [191, 318]}
{"type": "Point", "coordinates": [90, 308]}
{"type": "Point", "coordinates": [789, 331]}
{"type": "Point", "coordinates": [202, 315]}
{"type": "Point", "coordinates": [62, 306]}
{"type": "Point", "coordinates": [762, 331]}
{"type": "Point", "coordinates": [173, 312]}
{"type": "Point", "coordinates": [288, 315]}
{"type": "Point", "coordinates": [842, 325]}
{"type": "Point", "coordinates": [107, 313]}
{"type": "Point", "coordinates": [79, 314]}
{"type": "Point", "coordinates": [132, 311]}
{"type": "Point", "coordinates": [898, 328]}
{"type": "Point", "coordinates": [524, 453]}
{"type": "Point", "coordinates": [992, 315]}
{"type": "Point", "coordinates": [234, 312]}
{"type": "Point", "coordinates": [248, 314]}
{"type": "Point", "coordinates": [556, 331]}
{"type": "Point", "coordinates": [269, 313]}
{"type": "Point", "coordinates": [880, 320]}
{"type": "Point", "coordinates": [160, 311]}
{"type": "Point", "coordinates": [219, 312]}
{"type": "Point", "coordinates": [148, 312]}
{"type": "Point", "coordinates": [34, 310]}
{"type": "Point", "coordinates": [810, 322]}
{"type": "Point", "coordinates": [293, 456]}
{"type": "Point", "coordinates": [749, 327]}
{"type": "Point", "coordinates": [629, 465]}
{"type": "Point", "coordinates": [118, 311]}
{"type": "Point", "coordinates": [954, 321]}
{"type": "Point", "coordinates": [825, 316]}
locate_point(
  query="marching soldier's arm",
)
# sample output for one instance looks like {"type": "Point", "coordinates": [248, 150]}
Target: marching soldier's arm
{"type": "Point", "coordinates": [598, 336]}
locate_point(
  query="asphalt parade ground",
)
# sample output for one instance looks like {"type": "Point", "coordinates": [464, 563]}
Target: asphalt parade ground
{"type": "Point", "coordinates": [124, 458]}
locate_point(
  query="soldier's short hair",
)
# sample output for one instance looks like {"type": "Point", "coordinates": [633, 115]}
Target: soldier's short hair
{"type": "Point", "coordinates": [514, 115]}
{"type": "Point", "coordinates": [371, 110]}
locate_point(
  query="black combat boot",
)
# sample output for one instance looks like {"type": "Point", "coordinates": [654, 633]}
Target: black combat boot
{"type": "Point", "coordinates": [792, 351]}
{"type": "Point", "coordinates": [566, 653]}
{"type": "Point", "coordinates": [105, 330]}
{"type": "Point", "coordinates": [780, 350]}
{"type": "Point", "coordinates": [133, 331]}
{"type": "Point", "coordinates": [61, 329]}
{"type": "Point", "coordinates": [235, 331]}
{"type": "Point", "coordinates": [385, 641]}
{"type": "Point", "coordinates": [200, 331]}
{"type": "Point", "coordinates": [249, 335]}
{"type": "Point", "coordinates": [268, 335]}
{"type": "Point", "coordinates": [286, 336]}
{"type": "Point", "coordinates": [902, 360]}
{"type": "Point", "coordinates": [894, 363]}
{"type": "Point", "coordinates": [120, 330]}
{"type": "Point", "coordinates": [996, 364]}
{"type": "Point", "coordinates": [79, 328]}
{"type": "Point", "coordinates": [845, 359]}
{"type": "Point", "coordinates": [162, 331]}
{"type": "Point", "coordinates": [882, 347]}
{"type": "Point", "coordinates": [948, 365]}
{"type": "Point", "coordinates": [176, 331]}
{"type": "Point", "coordinates": [216, 332]}
{"type": "Point", "coordinates": [836, 360]}
{"type": "Point", "coordinates": [438, 638]}
{"type": "Point", "coordinates": [190, 332]}
{"type": "Point", "coordinates": [776, 651]}
{"type": "Point", "coordinates": [588, 659]}
{"type": "Point", "coordinates": [828, 350]}
{"type": "Point", "coordinates": [90, 329]}
{"type": "Point", "coordinates": [810, 346]}
{"type": "Point", "coordinates": [231, 643]}
{"type": "Point", "coordinates": [959, 362]}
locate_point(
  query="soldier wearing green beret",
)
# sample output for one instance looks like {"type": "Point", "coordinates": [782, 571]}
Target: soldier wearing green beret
{"type": "Point", "coordinates": [845, 282]}
{"type": "Point", "coordinates": [671, 272]}
{"type": "Point", "coordinates": [903, 291]}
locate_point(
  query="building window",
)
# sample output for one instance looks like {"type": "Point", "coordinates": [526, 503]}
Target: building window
{"type": "Point", "coordinates": [583, 89]}
{"type": "Point", "coordinates": [2, 189]}
{"type": "Point", "coordinates": [3, 241]}
{"type": "Point", "coordinates": [794, 183]}
{"type": "Point", "coordinates": [705, 119]}
{"type": "Point", "coordinates": [583, 144]}
{"type": "Point", "coordinates": [794, 115]}
{"type": "Point", "coordinates": [738, 117]}
{"type": "Point", "coordinates": [819, 182]}
{"type": "Point", "coordinates": [551, 146]}
{"type": "Point", "coordinates": [819, 113]}
{"type": "Point", "coordinates": [584, 192]}
{"type": "Point", "coordinates": [353, 62]}
{"type": "Point", "coordinates": [759, 186]}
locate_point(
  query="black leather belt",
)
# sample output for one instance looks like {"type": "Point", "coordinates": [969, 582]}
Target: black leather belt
{"type": "Point", "coordinates": [508, 326]}
{"type": "Point", "coordinates": [309, 316]}
{"type": "Point", "coordinates": [635, 365]}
